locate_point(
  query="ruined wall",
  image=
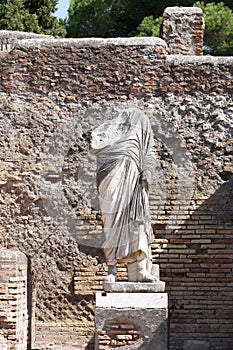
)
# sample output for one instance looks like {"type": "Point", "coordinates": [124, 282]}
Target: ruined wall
{"type": "Point", "coordinates": [183, 30]}
{"type": "Point", "coordinates": [14, 316]}
{"type": "Point", "coordinates": [8, 39]}
{"type": "Point", "coordinates": [52, 94]}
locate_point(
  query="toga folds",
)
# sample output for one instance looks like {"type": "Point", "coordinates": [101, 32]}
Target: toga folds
{"type": "Point", "coordinates": [125, 164]}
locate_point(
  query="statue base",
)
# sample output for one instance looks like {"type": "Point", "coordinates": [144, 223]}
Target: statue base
{"type": "Point", "coordinates": [132, 287]}
{"type": "Point", "coordinates": [131, 320]}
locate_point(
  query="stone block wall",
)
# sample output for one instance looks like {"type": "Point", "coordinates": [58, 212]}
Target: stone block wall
{"type": "Point", "coordinates": [13, 300]}
{"type": "Point", "coordinates": [52, 94]}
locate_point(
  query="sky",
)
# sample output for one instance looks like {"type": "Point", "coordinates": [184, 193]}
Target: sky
{"type": "Point", "coordinates": [62, 6]}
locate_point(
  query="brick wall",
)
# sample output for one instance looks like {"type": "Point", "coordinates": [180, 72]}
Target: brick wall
{"type": "Point", "coordinates": [64, 336]}
{"type": "Point", "coordinates": [89, 280]}
{"type": "Point", "coordinates": [196, 263]}
{"type": "Point", "coordinates": [117, 333]}
{"type": "Point", "coordinates": [52, 93]}
{"type": "Point", "coordinates": [13, 300]}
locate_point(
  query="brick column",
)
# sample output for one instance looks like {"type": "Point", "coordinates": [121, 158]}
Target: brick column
{"type": "Point", "coordinates": [183, 30]}
{"type": "Point", "coordinates": [13, 300]}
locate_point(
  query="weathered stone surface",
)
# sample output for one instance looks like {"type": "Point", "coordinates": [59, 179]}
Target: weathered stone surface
{"type": "Point", "coordinates": [183, 30]}
{"type": "Point", "coordinates": [180, 10]}
{"type": "Point", "coordinates": [134, 287]}
{"type": "Point", "coordinates": [132, 328]}
{"type": "Point", "coordinates": [125, 145]}
{"type": "Point", "coordinates": [95, 42]}
{"type": "Point", "coordinates": [144, 300]}
{"type": "Point", "coordinates": [9, 39]}
{"type": "Point", "coordinates": [196, 345]}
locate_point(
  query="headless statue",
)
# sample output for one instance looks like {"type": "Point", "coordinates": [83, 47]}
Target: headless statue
{"type": "Point", "coordinates": [125, 162]}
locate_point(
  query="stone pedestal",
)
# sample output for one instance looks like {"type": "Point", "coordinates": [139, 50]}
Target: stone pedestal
{"type": "Point", "coordinates": [133, 287]}
{"type": "Point", "coordinates": [132, 320]}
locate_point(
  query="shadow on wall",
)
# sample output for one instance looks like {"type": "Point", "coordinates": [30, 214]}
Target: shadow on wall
{"type": "Point", "coordinates": [157, 341]}
{"type": "Point", "coordinates": [220, 204]}
{"type": "Point", "coordinates": [197, 266]}
{"type": "Point", "coordinates": [133, 329]}
{"type": "Point", "coordinates": [91, 344]}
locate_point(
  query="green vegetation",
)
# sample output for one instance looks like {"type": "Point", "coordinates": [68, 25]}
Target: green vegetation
{"type": "Point", "coordinates": [109, 18]}
{"type": "Point", "coordinates": [112, 18]}
{"type": "Point", "coordinates": [150, 26]}
{"type": "Point", "coordinates": [31, 16]}
{"type": "Point", "coordinates": [218, 28]}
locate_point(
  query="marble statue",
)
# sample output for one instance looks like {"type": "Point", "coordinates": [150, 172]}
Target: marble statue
{"type": "Point", "coordinates": [125, 163]}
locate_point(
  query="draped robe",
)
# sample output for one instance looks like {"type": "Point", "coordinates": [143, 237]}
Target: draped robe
{"type": "Point", "coordinates": [125, 158]}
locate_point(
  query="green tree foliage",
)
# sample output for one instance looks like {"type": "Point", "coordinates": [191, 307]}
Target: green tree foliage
{"type": "Point", "coordinates": [109, 18]}
{"type": "Point", "coordinates": [218, 27]}
{"type": "Point", "coordinates": [150, 26]}
{"type": "Point", "coordinates": [228, 3]}
{"type": "Point", "coordinates": [88, 18]}
{"type": "Point", "coordinates": [112, 18]}
{"type": "Point", "coordinates": [31, 16]}
{"type": "Point", "coordinates": [218, 35]}
{"type": "Point", "coordinates": [14, 16]}
{"type": "Point", "coordinates": [43, 9]}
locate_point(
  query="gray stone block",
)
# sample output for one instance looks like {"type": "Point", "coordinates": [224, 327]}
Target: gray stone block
{"type": "Point", "coordinates": [143, 314]}
{"type": "Point", "coordinates": [134, 287]}
{"type": "Point", "coordinates": [196, 345]}
{"type": "Point", "coordinates": [134, 300]}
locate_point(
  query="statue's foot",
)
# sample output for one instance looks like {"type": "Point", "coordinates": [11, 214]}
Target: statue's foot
{"type": "Point", "coordinates": [144, 274]}
{"type": "Point", "coordinates": [110, 278]}
{"type": "Point", "coordinates": [148, 279]}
